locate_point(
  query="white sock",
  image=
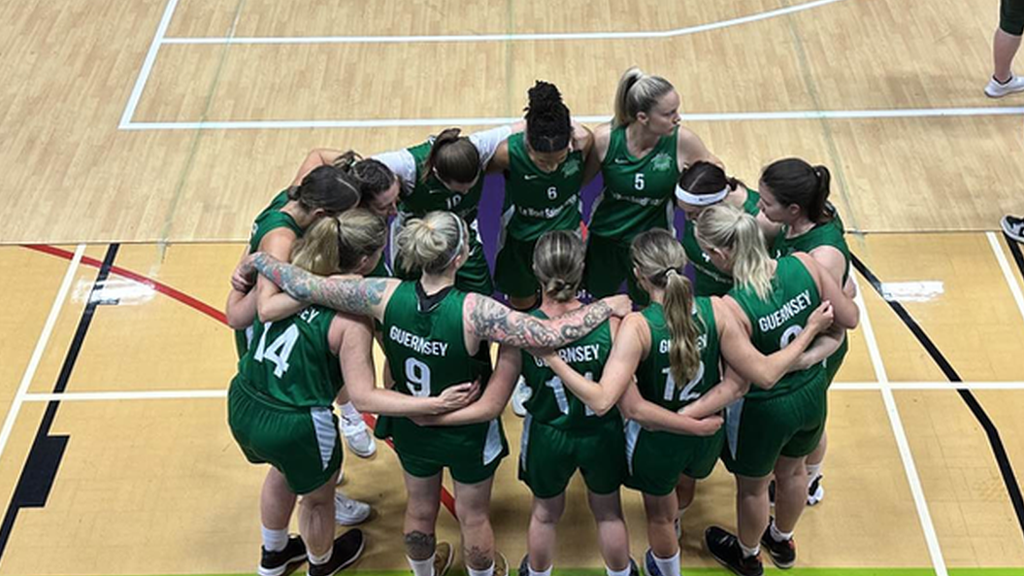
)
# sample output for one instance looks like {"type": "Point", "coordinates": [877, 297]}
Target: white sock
{"type": "Point", "coordinates": [624, 572]}
{"type": "Point", "coordinates": [422, 567]}
{"type": "Point", "coordinates": [667, 566]}
{"type": "Point", "coordinates": [778, 535]}
{"type": "Point", "coordinates": [314, 559]}
{"type": "Point", "coordinates": [349, 412]}
{"type": "Point", "coordinates": [274, 540]}
{"type": "Point", "coordinates": [540, 572]}
{"type": "Point", "coordinates": [813, 471]}
{"type": "Point", "coordinates": [748, 552]}
{"type": "Point", "coordinates": [484, 572]}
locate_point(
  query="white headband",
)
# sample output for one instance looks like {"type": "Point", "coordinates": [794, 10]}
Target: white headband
{"type": "Point", "coordinates": [701, 199]}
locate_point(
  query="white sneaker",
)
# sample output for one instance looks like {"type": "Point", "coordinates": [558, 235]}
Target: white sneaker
{"type": "Point", "coordinates": [520, 395]}
{"type": "Point", "coordinates": [357, 436]}
{"type": "Point", "coordinates": [996, 90]}
{"type": "Point", "coordinates": [349, 512]}
{"type": "Point", "coordinates": [1013, 227]}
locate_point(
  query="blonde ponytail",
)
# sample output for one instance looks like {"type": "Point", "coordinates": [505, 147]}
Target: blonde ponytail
{"type": "Point", "coordinates": [337, 245]}
{"type": "Point", "coordinates": [660, 259]}
{"type": "Point", "coordinates": [637, 92]}
{"type": "Point", "coordinates": [728, 228]}
{"type": "Point", "coordinates": [432, 243]}
{"type": "Point", "coordinates": [684, 353]}
{"type": "Point", "coordinates": [558, 264]}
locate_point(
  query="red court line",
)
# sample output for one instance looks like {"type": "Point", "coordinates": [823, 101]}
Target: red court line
{"type": "Point", "coordinates": [446, 497]}
{"type": "Point", "coordinates": [158, 286]}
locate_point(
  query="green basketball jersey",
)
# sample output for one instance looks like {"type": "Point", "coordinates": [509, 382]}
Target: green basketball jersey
{"type": "Point", "coordinates": [269, 219]}
{"type": "Point", "coordinates": [654, 374]}
{"type": "Point", "coordinates": [272, 218]}
{"type": "Point", "coordinates": [551, 402]}
{"type": "Point", "coordinates": [831, 233]}
{"type": "Point", "coordinates": [637, 191]}
{"type": "Point", "coordinates": [777, 320]}
{"type": "Point", "coordinates": [711, 281]}
{"type": "Point", "coordinates": [537, 201]}
{"type": "Point", "coordinates": [431, 194]}
{"type": "Point", "coordinates": [426, 352]}
{"type": "Point", "coordinates": [291, 364]}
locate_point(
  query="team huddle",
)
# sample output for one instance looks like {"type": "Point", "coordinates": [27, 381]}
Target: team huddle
{"type": "Point", "coordinates": [733, 366]}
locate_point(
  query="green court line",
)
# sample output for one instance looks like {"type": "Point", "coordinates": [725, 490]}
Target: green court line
{"type": "Point", "coordinates": [711, 572]}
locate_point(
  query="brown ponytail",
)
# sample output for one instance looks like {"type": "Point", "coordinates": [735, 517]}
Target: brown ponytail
{"type": "Point", "coordinates": [454, 158]}
{"type": "Point", "coordinates": [794, 181]}
{"type": "Point", "coordinates": [558, 264]}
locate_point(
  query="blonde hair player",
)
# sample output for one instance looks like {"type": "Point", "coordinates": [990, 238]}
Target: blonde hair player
{"type": "Point", "coordinates": [560, 435]}
{"type": "Point", "coordinates": [639, 155]}
{"type": "Point", "coordinates": [432, 336]}
{"type": "Point", "coordinates": [279, 403]}
{"type": "Point", "coordinates": [772, 430]}
{"type": "Point", "coordinates": [671, 351]}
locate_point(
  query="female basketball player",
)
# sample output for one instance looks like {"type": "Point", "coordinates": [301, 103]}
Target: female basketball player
{"type": "Point", "coordinates": [447, 173]}
{"type": "Point", "coordinates": [771, 303]}
{"type": "Point", "coordinates": [279, 405]}
{"type": "Point", "coordinates": [639, 154]}
{"type": "Point", "coordinates": [560, 435]}
{"type": "Point", "coordinates": [671, 351]}
{"type": "Point", "coordinates": [794, 195]}
{"type": "Point", "coordinates": [432, 333]}
{"type": "Point", "coordinates": [273, 231]}
{"type": "Point", "coordinates": [701, 185]}
{"type": "Point", "coordinates": [324, 191]}
{"type": "Point", "coordinates": [543, 169]}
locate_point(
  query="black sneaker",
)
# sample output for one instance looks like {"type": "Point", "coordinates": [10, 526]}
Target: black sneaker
{"type": "Point", "coordinates": [524, 566]}
{"type": "Point", "coordinates": [725, 548]}
{"type": "Point", "coordinates": [347, 549]}
{"type": "Point", "coordinates": [1013, 227]}
{"type": "Point", "coordinates": [634, 570]}
{"type": "Point", "coordinates": [276, 563]}
{"type": "Point", "coordinates": [783, 553]}
{"type": "Point", "coordinates": [815, 491]}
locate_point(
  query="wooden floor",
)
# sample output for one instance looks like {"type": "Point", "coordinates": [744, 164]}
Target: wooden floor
{"type": "Point", "coordinates": [138, 122]}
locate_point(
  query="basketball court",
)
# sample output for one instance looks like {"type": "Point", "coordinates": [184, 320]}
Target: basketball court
{"type": "Point", "coordinates": [141, 138]}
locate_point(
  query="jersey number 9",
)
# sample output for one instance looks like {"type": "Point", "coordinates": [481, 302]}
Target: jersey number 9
{"type": "Point", "coordinates": [417, 378]}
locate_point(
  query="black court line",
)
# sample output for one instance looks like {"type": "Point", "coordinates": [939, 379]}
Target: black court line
{"type": "Point", "coordinates": [994, 441]}
{"type": "Point", "coordinates": [1015, 250]}
{"type": "Point", "coordinates": [44, 458]}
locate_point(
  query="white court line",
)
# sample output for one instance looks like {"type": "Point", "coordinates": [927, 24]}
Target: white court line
{"type": "Point", "coordinates": [147, 64]}
{"type": "Point", "coordinates": [505, 37]}
{"type": "Point", "coordinates": [37, 354]}
{"type": "Point", "coordinates": [221, 393]}
{"type": "Point", "coordinates": [1011, 280]}
{"type": "Point", "coordinates": [129, 395]}
{"type": "Point", "coordinates": [496, 121]}
{"type": "Point", "coordinates": [930, 537]}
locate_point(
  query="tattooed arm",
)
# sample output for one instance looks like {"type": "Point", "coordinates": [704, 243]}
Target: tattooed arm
{"type": "Point", "coordinates": [489, 320]}
{"type": "Point", "coordinates": [353, 295]}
